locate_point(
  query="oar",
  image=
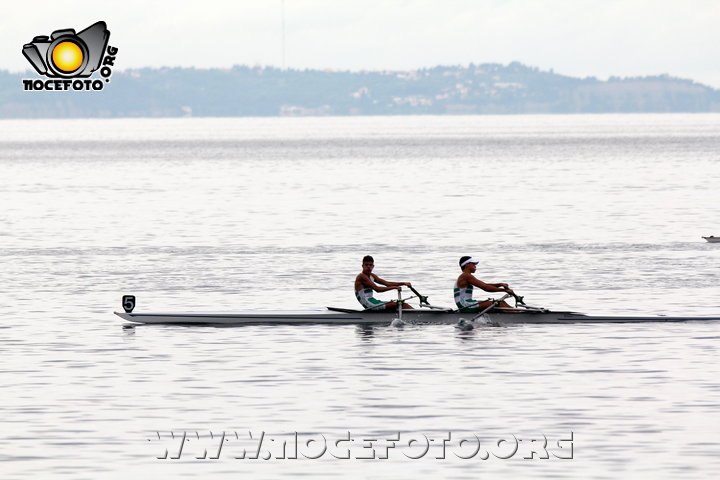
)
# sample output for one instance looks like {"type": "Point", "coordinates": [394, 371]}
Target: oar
{"type": "Point", "coordinates": [519, 301]}
{"type": "Point", "coordinates": [400, 304]}
{"type": "Point", "coordinates": [398, 322]}
{"type": "Point", "coordinates": [422, 298]}
{"type": "Point", "coordinates": [494, 304]}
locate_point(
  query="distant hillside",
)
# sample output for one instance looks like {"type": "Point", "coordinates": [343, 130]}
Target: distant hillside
{"type": "Point", "coordinates": [258, 91]}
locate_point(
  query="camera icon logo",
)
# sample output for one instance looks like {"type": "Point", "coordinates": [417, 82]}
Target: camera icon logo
{"type": "Point", "coordinates": [67, 54]}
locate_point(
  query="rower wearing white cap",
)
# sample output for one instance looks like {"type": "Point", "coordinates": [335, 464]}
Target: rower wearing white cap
{"type": "Point", "coordinates": [464, 284]}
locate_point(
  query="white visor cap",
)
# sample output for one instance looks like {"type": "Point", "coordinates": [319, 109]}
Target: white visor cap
{"type": "Point", "coordinates": [469, 260]}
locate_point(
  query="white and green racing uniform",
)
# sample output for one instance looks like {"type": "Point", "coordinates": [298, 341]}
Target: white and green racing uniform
{"type": "Point", "coordinates": [464, 300]}
{"type": "Point", "coordinates": [366, 299]}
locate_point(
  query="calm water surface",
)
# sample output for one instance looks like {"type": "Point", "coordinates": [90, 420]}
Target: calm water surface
{"type": "Point", "coordinates": [600, 214]}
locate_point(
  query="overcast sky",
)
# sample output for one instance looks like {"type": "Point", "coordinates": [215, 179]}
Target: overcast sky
{"type": "Point", "coordinates": [574, 37]}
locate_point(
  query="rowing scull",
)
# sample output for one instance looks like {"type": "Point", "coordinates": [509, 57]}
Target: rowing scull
{"type": "Point", "coordinates": [343, 316]}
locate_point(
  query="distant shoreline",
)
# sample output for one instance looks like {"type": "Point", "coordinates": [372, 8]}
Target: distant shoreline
{"type": "Point", "coordinates": [244, 91]}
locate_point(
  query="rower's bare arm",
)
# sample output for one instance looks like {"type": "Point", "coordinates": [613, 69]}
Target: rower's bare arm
{"type": "Point", "coordinates": [360, 282]}
{"type": "Point", "coordinates": [396, 284]}
{"type": "Point", "coordinates": [374, 285]}
{"type": "Point", "coordinates": [488, 287]}
{"type": "Point", "coordinates": [504, 287]}
{"type": "Point", "coordinates": [380, 289]}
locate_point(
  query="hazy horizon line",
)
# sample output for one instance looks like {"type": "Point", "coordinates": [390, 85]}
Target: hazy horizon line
{"type": "Point", "coordinates": [383, 70]}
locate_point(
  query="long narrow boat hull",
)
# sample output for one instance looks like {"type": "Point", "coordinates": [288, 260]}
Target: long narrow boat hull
{"type": "Point", "coordinates": [418, 316]}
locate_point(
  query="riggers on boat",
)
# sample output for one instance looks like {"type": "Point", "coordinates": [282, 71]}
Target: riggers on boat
{"type": "Point", "coordinates": [427, 314]}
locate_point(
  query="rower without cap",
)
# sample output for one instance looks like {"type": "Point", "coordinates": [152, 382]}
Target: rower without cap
{"type": "Point", "coordinates": [366, 282]}
{"type": "Point", "coordinates": [463, 289]}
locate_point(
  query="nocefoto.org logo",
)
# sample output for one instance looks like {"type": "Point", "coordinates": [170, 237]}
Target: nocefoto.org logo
{"type": "Point", "coordinates": [69, 58]}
